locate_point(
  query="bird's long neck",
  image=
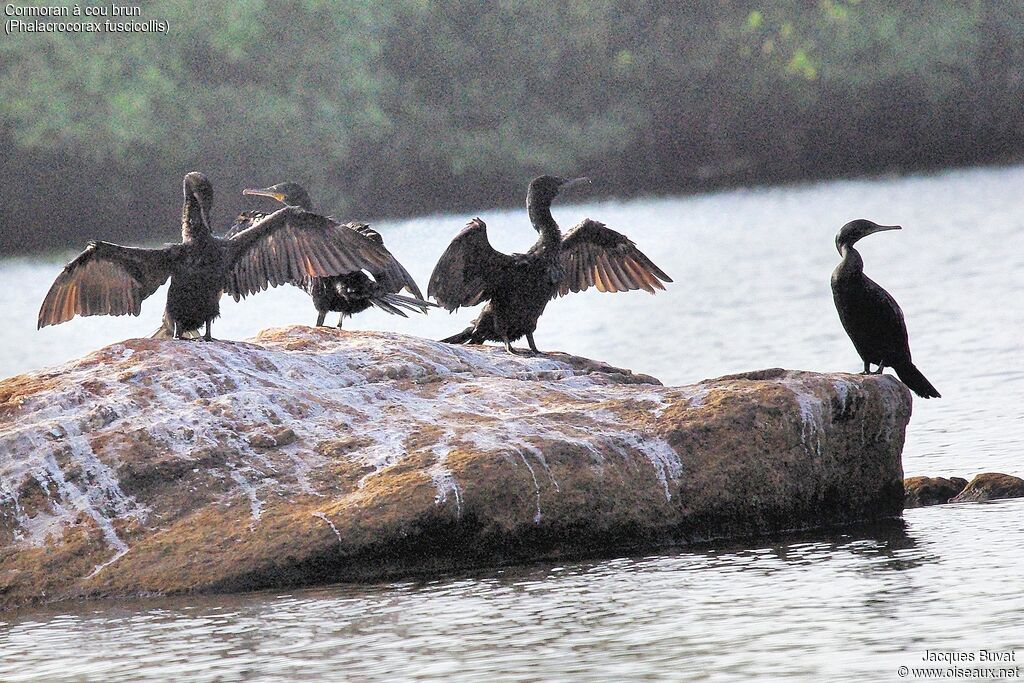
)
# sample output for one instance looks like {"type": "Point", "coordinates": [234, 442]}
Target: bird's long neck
{"type": "Point", "coordinates": [193, 227]}
{"type": "Point", "coordinates": [852, 264]}
{"type": "Point", "coordinates": [543, 222]}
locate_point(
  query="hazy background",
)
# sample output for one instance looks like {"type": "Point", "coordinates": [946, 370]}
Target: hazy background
{"type": "Point", "coordinates": [409, 106]}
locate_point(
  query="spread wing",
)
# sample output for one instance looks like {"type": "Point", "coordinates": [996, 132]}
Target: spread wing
{"type": "Point", "coordinates": [106, 279]}
{"type": "Point", "coordinates": [594, 255]}
{"type": "Point", "coordinates": [392, 277]}
{"type": "Point", "coordinates": [468, 270]}
{"type": "Point", "coordinates": [292, 244]}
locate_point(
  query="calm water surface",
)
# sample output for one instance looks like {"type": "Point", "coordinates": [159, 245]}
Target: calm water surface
{"type": "Point", "coordinates": [751, 270]}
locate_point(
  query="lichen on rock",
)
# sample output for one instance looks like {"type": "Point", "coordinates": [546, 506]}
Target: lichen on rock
{"type": "Point", "coordinates": [314, 454]}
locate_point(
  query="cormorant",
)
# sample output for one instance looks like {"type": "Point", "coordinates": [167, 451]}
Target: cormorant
{"type": "Point", "coordinates": [870, 315]}
{"type": "Point", "coordinates": [108, 279]}
{"type": "Point", "coordinates": [354, 292]}
{"type": "Point", "coordinates": [518, 287]}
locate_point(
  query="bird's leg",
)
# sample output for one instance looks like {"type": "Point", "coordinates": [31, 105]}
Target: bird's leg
{"type": "Point", "coordinates": [533, 345]}
{"type": "Point", "coordinates": [508, 345]}
{"type": "Point", "coordinates": [867, 368]}
{"type": "Point", "coordinates": [881, 366]}
{"type": "Point", "coordinates": [175, 332]}
{"type": "Point", "coordinates": [209, 331]}
{"type": "Point", "coordinates": [320, 315]}
{"type": "Point", "coordinates": [341, 319]}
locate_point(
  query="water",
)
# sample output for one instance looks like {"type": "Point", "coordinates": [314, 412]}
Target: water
{"type": "Point", "coordinates": [751, 271]}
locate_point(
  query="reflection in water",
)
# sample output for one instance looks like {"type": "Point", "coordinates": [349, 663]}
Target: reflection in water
{"type": "Point", "coordinates": [751, 270]}
{"type": "Point", "coordinates": [844, 605]}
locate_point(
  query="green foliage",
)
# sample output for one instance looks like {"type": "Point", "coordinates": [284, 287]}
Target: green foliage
{"type": "Point", "coordinates": [414, 105]}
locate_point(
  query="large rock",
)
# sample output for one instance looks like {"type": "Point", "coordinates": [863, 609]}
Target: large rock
{"type": "Point", "coordinates": [311, 455]}
{"type": "Point", "coordinates": [991, 486]}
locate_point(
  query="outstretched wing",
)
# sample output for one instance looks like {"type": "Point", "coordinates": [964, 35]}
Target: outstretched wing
{"type": "Point", "coordinates": [594, 255]}
{"type": "Point", "coordinates": [393, 277]}
{"type": "Point", "coordinates": [106, 279]}
{"type": "Point", "coordinates": [468, 270]}
{"type": "Point", "coordinates": [292, 244]}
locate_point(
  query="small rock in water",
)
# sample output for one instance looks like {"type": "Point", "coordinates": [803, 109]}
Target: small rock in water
{"type": "Point", "coordinates": [991, 486]}
{"type": "Point", "coordinates": [922, 491]}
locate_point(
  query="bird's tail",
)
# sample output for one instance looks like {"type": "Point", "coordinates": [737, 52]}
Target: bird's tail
{"type": "Point", "coordinates": [915, 381]}
{"type": "Point", "coordinates": [162, 333]}
{"type": "Point", "coordinates": [398, 304]}
{"type": "Point", "coordinates": [166, 331]}
{"type": "Point", "coordinates": [462, 337]}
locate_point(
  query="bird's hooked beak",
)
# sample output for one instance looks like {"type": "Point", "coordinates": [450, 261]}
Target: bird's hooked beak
{"type": "Point", "coordinates": [574, 181]}
{"type": "Point", "coordinates": [883, 228]}
{"type": "Point", "coordinates": [266, 192]}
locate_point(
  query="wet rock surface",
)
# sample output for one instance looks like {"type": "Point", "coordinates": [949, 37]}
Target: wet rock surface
{"type": "Point", "coordinates": [318, 455]}
{"type": "Point", "coordinates": [922, 491]}
{"type": "Point", "coordinates": [991, 486]}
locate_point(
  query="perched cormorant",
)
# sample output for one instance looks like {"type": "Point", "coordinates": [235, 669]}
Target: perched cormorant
{"type": "Point", "coordinates": [870, 315]}
{"type": "Point", "coordinates": [108, 279]}
{"type": "Point", "coordinates": [518, 287]}
{"type": "Point", "coordinates": [354, 292]}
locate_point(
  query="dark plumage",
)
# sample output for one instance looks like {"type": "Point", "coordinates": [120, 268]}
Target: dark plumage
{"type": "Point", "coordinates": [353, 292]}
{"type": "Point", "coordinates": [870, 315]}
{"type": "Point", "coordinates": [517, 287]}
{"type": "Point", "coordinates": [108, 279]}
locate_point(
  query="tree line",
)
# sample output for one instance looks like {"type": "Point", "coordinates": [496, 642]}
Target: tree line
{"type": "Point", "coordinates": [412, 106]}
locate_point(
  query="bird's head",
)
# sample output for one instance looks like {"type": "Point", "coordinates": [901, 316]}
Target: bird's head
{"type": "Point", "coordinates": [545, 188]}
{"type": "Point", "coordinates": [854, 230]}
{"type": "Point", "coordinates": [197, 188]}
{"type": "Point", "coordinates": [289, 194]}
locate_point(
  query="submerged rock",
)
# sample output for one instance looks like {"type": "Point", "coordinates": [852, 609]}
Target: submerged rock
{"type": "Point", "coordinates": [922, 491]}
{"type": "Point", "coordinates": [315, 455]}
{"type": "Point", "coordinates": [991, 486]}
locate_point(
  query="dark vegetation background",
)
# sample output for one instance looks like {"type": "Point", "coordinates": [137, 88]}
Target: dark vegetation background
{"type": "Point", "coordinates": [412, 106]}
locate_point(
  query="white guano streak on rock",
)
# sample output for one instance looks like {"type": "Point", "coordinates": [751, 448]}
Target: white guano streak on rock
{"type": "Point", "coordinates": [320, 515]}
{"type": "Point", "coordinates": [536, 486]}
{"type": "Point", "coordinates": [101, 497]}
{"type": "Point", "coordinates": [811, 414]}
{"type": "Point", "coordinates": [212, 397]}
{"type": "Point", "coordinates": [441, 476]}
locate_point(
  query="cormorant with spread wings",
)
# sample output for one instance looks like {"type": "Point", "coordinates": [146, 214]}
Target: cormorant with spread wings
{"type": "Point", "coordinates": [517, 287]}
{"type": "Point", "coordinates": [353, 292]}
{"type": "Point", "coordinates": [289, 244]}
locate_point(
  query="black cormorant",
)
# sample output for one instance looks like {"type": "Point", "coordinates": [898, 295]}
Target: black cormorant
{"type": "Point", "coordinates": [870, 315]}
{"type": "Point", "coordinates": [108, 279]}
{"type": "Point", "coordinates": [518, 287]}
{"type": "Point", "coordinates": [354, 292]}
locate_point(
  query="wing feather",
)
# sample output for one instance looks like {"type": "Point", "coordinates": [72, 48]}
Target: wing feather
{"type": "Point", "coordinates": [469, 270]}
{"type": "Point", "coordinates": [106, 279]}
{"type": "Point", "coordinates": [292, 245]}
{"type": "Point", "coordinates": [393, 277]}
{"type": "Point", "coordinates": [593, 255]}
